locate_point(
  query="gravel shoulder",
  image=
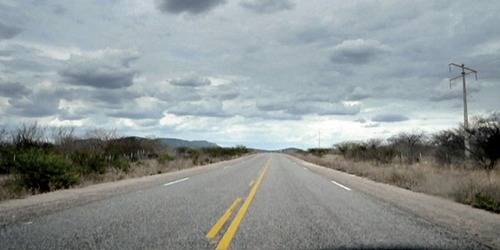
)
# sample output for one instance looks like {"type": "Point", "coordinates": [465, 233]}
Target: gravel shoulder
{"type": "Point", "coordinates": [478, 224]}
{"type": "Point", "coordinates": [19, 210]}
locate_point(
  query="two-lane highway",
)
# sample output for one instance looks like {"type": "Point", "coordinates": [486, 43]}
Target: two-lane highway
{"type": "Point", "coordinates": [267, 201]}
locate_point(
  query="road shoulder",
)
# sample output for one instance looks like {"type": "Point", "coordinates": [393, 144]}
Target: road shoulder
{"type": "Point", "coordinates": [475, 223]}
{"type": "Point", "coordinates": [19, 210]}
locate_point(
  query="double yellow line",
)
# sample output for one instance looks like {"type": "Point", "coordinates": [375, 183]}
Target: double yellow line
{"type": "Point", "coordinates": [231, 231]}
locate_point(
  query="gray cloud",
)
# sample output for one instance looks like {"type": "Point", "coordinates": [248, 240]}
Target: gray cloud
{"type": "Point", "coordinates": [7, 32]}
{"type": "Point", "coordinates": [190, 80]}
{"type": "Point", "coordinates": [189, 6]}
{"type": "Point", "coordinates": [136, 114]}
{"type": "Point", "coordinates": [40, 104]}
{"type": "Point", "coordinates": [357, 51]}
{"type": "Point", "coordinates": [338, 109]}
{"type": "Point", "coordinates": [206, 107]}
{"type": "Point", "coordinates": [140, 109]}
{"type": "Point", "coordinates": [360, 120]}
{"type": "Point", "coordinates": [390, 118]}
{"type": "Point", "coordinates": [118, 103]}
{"type": "Point", "coordinates": [307, 107]}
{"type": "Point", "coordinates": [110, 70]}
{"type": "Point", "coordinates": [19, 58]}
{"type": "Point", "coordinates": [268, 104]}
{"type": "Point", "coordinates": [267, 6]}
{"type": "Point", "coordinates": [224, 92]}
{"type": "Point", "coordinates": [176, 94]}
{"type": "Point", "coordinates": [445, 92]}
{"type": "Point", "coordinates": [65, 114]}
{"type": "Point", "coordinates": [113, 98]}
{"type": "Point", "coordinates": [18, 64]}
{"type": "Point", "coordinates": [311, 34]}
{"type": "Point", "coordinates": [359, 93]}
{"type": "Point", "coordinates": [13, 90]}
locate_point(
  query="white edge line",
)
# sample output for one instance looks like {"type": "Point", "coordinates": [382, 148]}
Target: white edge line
{"type": "Point", "coordinates": [227, 166]}
{"type": "Point", "coordinates": [177, 181]}
{"type": "Point", "coordinates": [306, 169]}
{"type": "Point", "coordinates": [340, 185]}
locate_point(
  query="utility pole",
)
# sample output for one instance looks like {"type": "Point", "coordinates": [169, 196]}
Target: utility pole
{"type": "Point", "coordinates": [465, 71]}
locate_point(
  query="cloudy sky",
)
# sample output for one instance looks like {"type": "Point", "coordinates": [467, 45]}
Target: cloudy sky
{"type": "Point", "coordinates": [262, 73]}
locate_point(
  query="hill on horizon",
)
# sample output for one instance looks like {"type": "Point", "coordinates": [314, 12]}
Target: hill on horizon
{"type": "Point", "coordinates": [179, 143]}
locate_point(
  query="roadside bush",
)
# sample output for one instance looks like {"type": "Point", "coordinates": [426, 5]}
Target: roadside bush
{"type": "Point", "coordinates": [120, 163]}
{"type": "Point", "coordinates": [485, 141]}
{"type": "Point", "coordinates": [88, 162]}
{"type": "Point", "coordinates": [318, 151]}
{"type": "Point", "coordinates": [218, 152]}
{"type": "Point", "coordinates": [44, 171]}
{"type": "Point", "coordinates": [164, 158]}
{"type": "Point", "coordinates": [6, 158]}
{"type": "Point", "coordinates": [448, 147]}
{"type": "Point", "coordinates": [486, 202]}
{"type": "Point", "coordinates": [410, 146]}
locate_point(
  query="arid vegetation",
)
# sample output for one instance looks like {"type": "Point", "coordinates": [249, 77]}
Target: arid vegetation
{"type": "Point", "coordinates": [434, 164]}
{"type": "Point", "coordinates": [36, 159]}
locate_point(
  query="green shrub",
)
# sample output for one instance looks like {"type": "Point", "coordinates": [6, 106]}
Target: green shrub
{"type": "Point", "coordinates": [486, 202]}
{"type": "Point", "coordinates": [7, 157]}
{"type": "Point", "coordinates": [320, 152]}
{"type": "Point", "coordinates": [218, 152]}
{"type": "Point", "coordinates": [44, 171]}
{"type": "Point", "coordinates": [121, 164]}
{"type": "Point", "coordinates": [164, 158]}
{"type": "Point", "coordinates": [88, 162]}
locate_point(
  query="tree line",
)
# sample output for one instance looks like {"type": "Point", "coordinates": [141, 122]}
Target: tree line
{"type": "Point", "coordinates": [446, 147]}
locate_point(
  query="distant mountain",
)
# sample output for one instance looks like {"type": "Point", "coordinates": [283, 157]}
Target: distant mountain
{"type": "Point", "coordinates": [178, 143]}
{"type": "Point", "coordinates": [292, 150]}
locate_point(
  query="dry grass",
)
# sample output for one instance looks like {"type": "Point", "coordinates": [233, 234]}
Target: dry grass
{"type": "Point", "coordinates": [456, 183]}
{"type": "Point", "coordinates": [138, 169]}
{"type": "Point", "coordinates": [9, 189]}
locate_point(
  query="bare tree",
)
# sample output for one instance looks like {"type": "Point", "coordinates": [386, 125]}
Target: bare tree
{"type": "Point", "coordinates": [64, 139]}
{"type": "Point", "coordinates": [409, 145]}
{"type": "Point", "coordinates": [29, 136]}
{"type": "Point", "coordinates": [63, 135]}
{"type": "Point", "coordinates": [485, 141]}
{"type": "Point", "coordinates": [448, 147]}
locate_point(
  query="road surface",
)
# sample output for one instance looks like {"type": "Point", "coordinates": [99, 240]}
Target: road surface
{"type": "Point", "coordinates": [270, 201]}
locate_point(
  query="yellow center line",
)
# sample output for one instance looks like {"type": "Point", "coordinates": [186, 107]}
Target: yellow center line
{"type": "Point", "coordinates": [251, 182]}
{"type": "Point", "coordinates": [217, 227]}
{"type": "Point", "coordinates": [231, 231]}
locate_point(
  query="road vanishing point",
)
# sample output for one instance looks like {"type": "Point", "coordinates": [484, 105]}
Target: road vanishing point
{"type": "Point", "coordinates": [261, 201]}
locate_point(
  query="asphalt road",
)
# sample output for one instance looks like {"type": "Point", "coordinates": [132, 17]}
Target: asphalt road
{"type": "Point", "coordinates": [292, 208]}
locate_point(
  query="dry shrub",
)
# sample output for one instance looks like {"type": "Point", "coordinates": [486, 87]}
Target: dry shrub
{"type": "Point", "coordinates": [9, 189]}
{"type": "Point", "coordinates": [138, 169]}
